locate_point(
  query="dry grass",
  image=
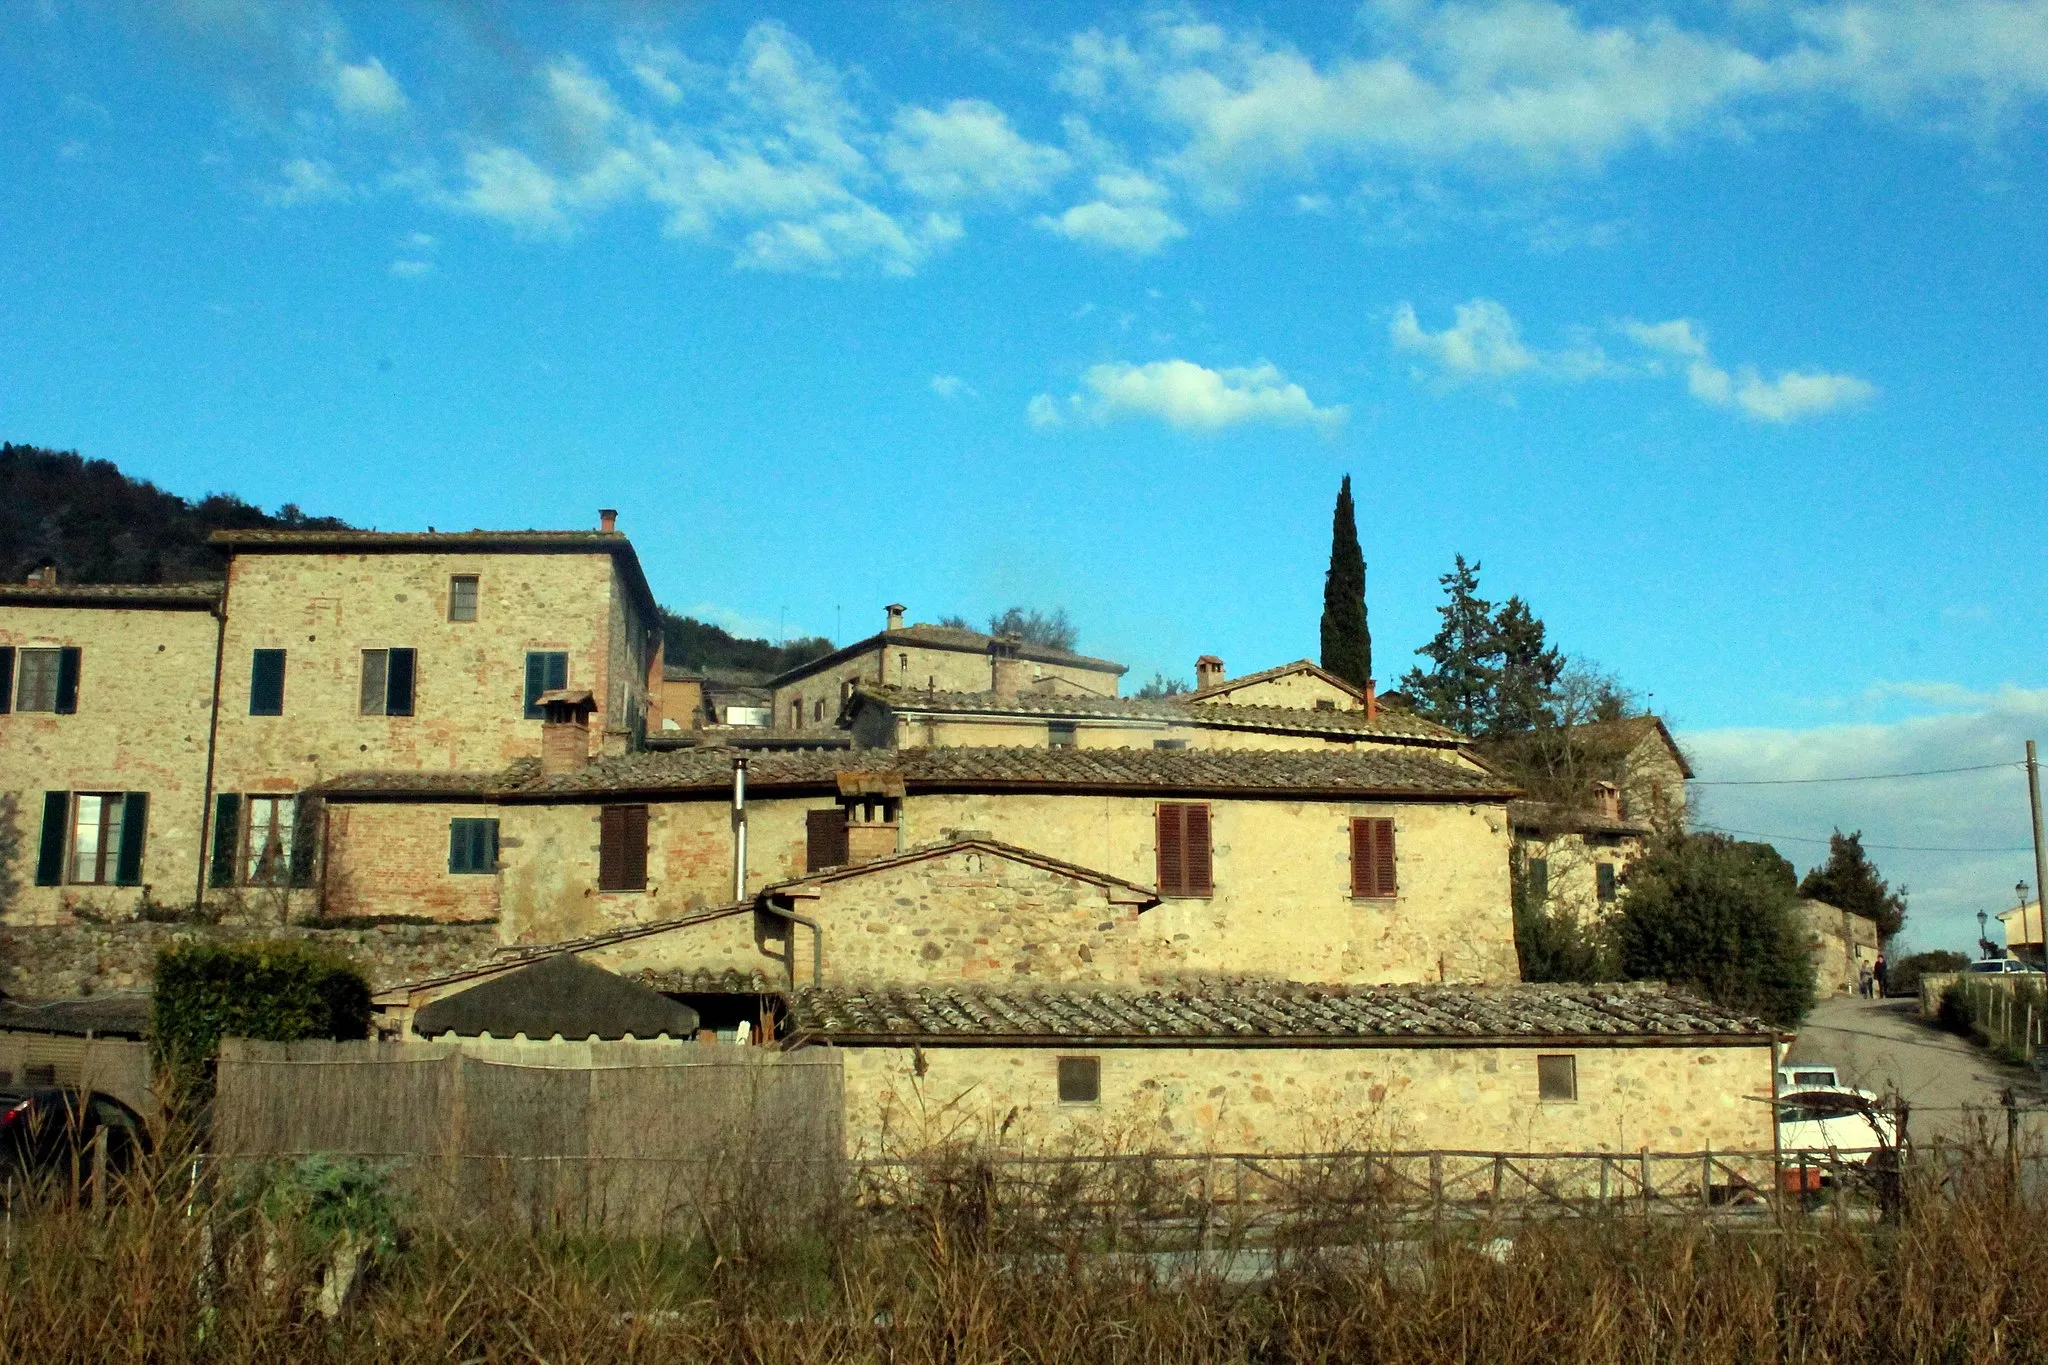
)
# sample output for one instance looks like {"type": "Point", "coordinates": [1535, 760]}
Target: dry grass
{"type": "Point", "coordinates": [947, 1277]}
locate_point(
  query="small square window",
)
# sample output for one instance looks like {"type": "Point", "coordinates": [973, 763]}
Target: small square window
{"type": "Point", "coordinates": [462, 597]}
{"type": "Point", "coordinates": [1169, 744]}
{"type": "Point", "coordinates": [1059, 734]}
{"type": "Point", "coordinates": [1605, 875]}
{"type": "Point", "coordinates": [38, 688]}
{"type": "Point", "coordinates": [1325, 704]}
{"type": "Point", "coordinates": [1080, 1080]}
{"type": "Point", "coordinates": [472, 845]}
{"type": "Point", "coordinates": [1539, 880]}
{"type": "Point", "coordinates": [1557, 1078]}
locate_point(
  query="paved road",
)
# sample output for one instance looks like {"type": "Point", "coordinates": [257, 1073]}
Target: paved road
{"type": "Point", "coordinates": [1883, 1045]}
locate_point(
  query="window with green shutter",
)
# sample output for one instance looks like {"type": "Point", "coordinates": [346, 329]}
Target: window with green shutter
{"type": "Point", "coordinates": [547, 670]}
{"type": "Point", "coordinates": [266, 682]}
{"type": "Point", "coordinates": [472, 845]}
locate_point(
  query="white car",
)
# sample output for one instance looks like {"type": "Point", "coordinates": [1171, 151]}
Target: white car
{"type": "Point", "coordinates": [2001, 966]}
{"type": "Point", "coordinates": [1832, 1123]}
{"type": "Point", "coordinates": [1794, 1077]}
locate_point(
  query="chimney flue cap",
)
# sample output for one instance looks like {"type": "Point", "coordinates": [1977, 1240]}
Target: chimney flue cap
{"type": "Point", "coordinates": [607, 519]}
{"type": "Point", "coordinates": [895, 611]}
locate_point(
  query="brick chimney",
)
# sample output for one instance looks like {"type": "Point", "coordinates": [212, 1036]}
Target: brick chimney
{"type": "Point", "coordinates": [565, 730]}
{"type": "Point", "coordinates": [1005, 669]}
{"type": "Point", "coordinates": [1607, 800]}
{"type": "Point", "coordinates": [895, 610]}
{"type": "Point", "coordinates": [1208, 672]}
{"type": "Point", "coordinates": [1372, 699]}
{"type": "Point", "coordinates": [608, 519]}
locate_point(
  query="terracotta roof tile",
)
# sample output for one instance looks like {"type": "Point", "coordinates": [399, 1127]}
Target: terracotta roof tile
{"type": "Point", "coordinates": [1333, 772]}
{"type": "Point", "coordinates": [1263, 1013]}
{"type": "Point", "coordinates": [165, 596]}
{"type": "Point", "coordinates": [1306, 720]}
{"type": "Point", "coordinates": [944, 637]}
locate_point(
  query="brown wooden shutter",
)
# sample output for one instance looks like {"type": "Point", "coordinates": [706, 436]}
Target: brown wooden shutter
{"type": "Point", "coordinates": [636, 848]}
{"type": "Point", "coordinates": [622, 848]}
{"type": "Point", "coordinates": [1372, 859]}
{"type": "Point", "coordinates": [824, 839]}
{"type": "Point", "coordinates": [1172, 844]}
{"type": "Point", "coordinates": [1200, 864]}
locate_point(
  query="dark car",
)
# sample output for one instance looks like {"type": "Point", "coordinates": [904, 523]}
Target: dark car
{"type": "Point", "coordinates": [49, 1132]}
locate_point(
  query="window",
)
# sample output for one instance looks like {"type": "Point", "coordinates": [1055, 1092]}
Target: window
{"type": "Point", "coordinates": [92, 838]}
{"type": "Point", "coordinates": [1169, 744]}
{"type": "Point", "coordinates": [547, 670]}
{"type": "Point", "coordinates": [1372, 859]}
{"type": "Point", "coordinates": [818, 710]}
{"type": "Point", "coordinates": [1059, 734]}
{"type": "Point", "coordinates": [472, 845]}
{"type": "Point", "coordinates": [903, 664]}
{"type": "Point", "coordinates": [622, 848]}
{"type": "Point", "coordinates": [796, 714]}
{"type": "Point", "coordinates": [825, 843]}
{"type": "Point", "coordinates": [266, 682]}
{"type": "Point", "coordinates": [1538, 882]}
{"type": "Point", "coordinates": [267, 841]}
{"type": "Point", "coordinates": [1325, 704]}
{"type": "Point", "coordinates": [1080, 1080]}
{"type": "Point", "coordinates": [1605, 874]}
{"type": "Point", "coordinates": [462, 597]}
{"type": "Point", "coordinates": [1185, 862]}
{"type": "Point", "coordinates": [46, 679]}
{"type": "Point", "coordinates": [1557, 1078]}
{"type": "Point", "coordinates": [388, 681]}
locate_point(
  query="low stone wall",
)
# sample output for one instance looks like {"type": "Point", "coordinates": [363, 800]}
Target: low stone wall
{"type": "Point", "coordinates": [1931, 987]}
{"type": "Point", "coordinates": [63, 960]}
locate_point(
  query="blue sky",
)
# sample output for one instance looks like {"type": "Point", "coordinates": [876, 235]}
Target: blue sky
{"type": "Point", "coordinates": [1713, 331]}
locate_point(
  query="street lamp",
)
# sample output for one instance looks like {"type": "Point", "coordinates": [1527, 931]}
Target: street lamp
{"type": "Point", "coordinates": [1983, 943]}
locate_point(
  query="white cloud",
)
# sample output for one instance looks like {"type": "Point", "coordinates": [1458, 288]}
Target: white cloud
{"type": "Point", "coordinates": [406, 268]}
{"type": "Point", "coordinates": [304, 181]}
{"type": "Point", "coordinates": [1484, 342]}
{"type": "Point", "coordinates": [367, 90]}
{"type": "Point", "coordinates": [1186, 396]}
{"type": "Point", "coordinates": [858, 235]}
{"type": "Point", "coordinates": [969, 151]}
{"type": "Point", "coordinates": [505, 183]}
{"type": "Point", "coordinates": [1790, 396]}
{"type": "Point", "coordinates": [1960, 811]}
{"type": "Point", "coordinates": [953, 386]}
{"type": "Point", "coordinates": [1129, 215]}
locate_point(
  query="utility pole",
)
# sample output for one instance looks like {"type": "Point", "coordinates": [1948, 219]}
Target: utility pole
{"type": "Point", "coordinates": [2040, 850]}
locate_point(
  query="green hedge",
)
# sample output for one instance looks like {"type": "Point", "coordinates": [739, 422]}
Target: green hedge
{"type": "Point", "coordinates": [278, 991]}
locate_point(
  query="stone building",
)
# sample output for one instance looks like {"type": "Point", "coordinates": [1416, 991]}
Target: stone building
{"type": "Point", "coordinates": [105, 702]}
{"type": "Point", "coordinates": [1300, 685]}
{"type": "Point", "coordinates": [1844, 946]}
{"type": "Point", "coordinates": [936, 658]}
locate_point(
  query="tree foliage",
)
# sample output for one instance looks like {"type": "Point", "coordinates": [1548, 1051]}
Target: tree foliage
{"type": "Point", "coordinates": [1553, 942]}
{"type": "Point", "coordinates": [1848, 880]}
{"type": "Point", "coordinates": [1047, 629]}
{"type": "Point", "coordinates": [279, 991]}
{"type": "Point", "coordinates": [1162, 686]}
{"type": "Point", "coordinates": [1903, 977]}
{"type": "Point", "coordinates": [97, 525]}
{"type": "Point", "coordinates": [1717, 916]}
{"type": "Point", "coordinates": [690, 643]}
{"type": "Point", "coordinates": [1347, 639]}
{"type": "Point", "coordinates": [1457, 690]}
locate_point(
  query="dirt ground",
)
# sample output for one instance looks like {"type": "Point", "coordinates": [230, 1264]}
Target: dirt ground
{"type": "Point", "coordinates": [1884, 1045]}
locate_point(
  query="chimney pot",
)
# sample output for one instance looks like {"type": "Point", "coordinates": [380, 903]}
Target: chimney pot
{"type": "Point", "coordinates": [1208, 672]}
{"type": "Point", "coordinates": [895, 610]}
{"type": "Point", "coordinates": [565, 731]}
{"type": "Point", "coordinates": [1372, 699]}
{"type": "Point", "coordinates": [1005, 668]}
{"type": "Point", "coordinates": [607, 519]}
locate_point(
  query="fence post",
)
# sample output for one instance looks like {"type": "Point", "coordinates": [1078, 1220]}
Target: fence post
{"type": "Point", "coordinates": [1500, 1171]}
{"type": "Point", "coordinates": [99, 1170]}
{"type": "Point", "coordinates": [1606, 1163]}
{"type": "Point", "coordinates": [1436, 1188]}
{"type": "Point", "coordinates": [1643, 1177]}
{"type": "Point", "coordinates": [2012, 1145]}
{"type": "Point", "coordinates": [1707, 1178]}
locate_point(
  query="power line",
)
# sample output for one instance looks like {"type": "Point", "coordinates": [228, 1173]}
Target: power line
{"type": "Point", "coordinates": [1888, 848]}
{"type": "Point", "coordinates": [1869, 777]}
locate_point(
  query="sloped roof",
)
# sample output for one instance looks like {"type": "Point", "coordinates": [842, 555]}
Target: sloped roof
{"type": "Point", "coordinates": [110, 1014]}
{"type": "Point", "coordinates": [561, 994]}
{"type": "Point", "coordinates": [1264, 1013]}
{"type": "Point", "coordinates": [924, 636]}
{"type": "Point", "coordinates": [1554, 819]}
{"type": "Point", "coordinates": [1296, 719]}
{"type": "Point", "coordinates": [1630, 731]}
{"type": "Point", "coordinates": [1269, 674]}
{"type": "Point", "coordinates": [1283, 772]}
{"type": "Point", "coordinates": [992, 847]}
{"type": "Point", "coordinates": [143, 596]}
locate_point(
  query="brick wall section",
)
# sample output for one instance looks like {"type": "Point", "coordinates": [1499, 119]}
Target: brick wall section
{"type": "Point", "coordinates": [53, 961]}
{"type": "Point", "coordinates": [146, 679]}
{"type": "Point", "coordinates": [404, 870]}
{"type": "Point", "coordinates": [1311, 1099]}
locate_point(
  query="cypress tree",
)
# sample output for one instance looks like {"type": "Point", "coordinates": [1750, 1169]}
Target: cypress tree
{"type": "Point", "coordinates": [1347, 643]}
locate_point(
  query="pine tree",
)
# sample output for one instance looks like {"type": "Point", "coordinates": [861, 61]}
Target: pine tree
{"type": "Point", "coordinates": [1525, 686]}
{"type": "Point", "coordinates": [1347, 643]}
{"type": "Point", "coordinates": [1849, 881]}
{"type": "Point", "coordinates": [1458, 689]}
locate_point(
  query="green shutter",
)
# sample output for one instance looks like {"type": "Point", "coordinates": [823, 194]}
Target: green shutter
{"type": "Point", "coordinates": [536, 682]}
{"type": "Point", "coordinates": [68, 660]}
{"type": "Point", "coordinates": [50, 857]}
{"type": "Point", "coordinates": [266, 682]}
{"type": "Point", "coordinates": [6, 679]}
{"type": "Point", "coordinates": [305, 839]}
{"type": "Point", "coordinates": [134, 820]}
{"type": "Point", "coordinates": [398, 683]}
{"type": "Point", "coordinates": [227, 813]}
{"type": "Point", "coordinates": [558, 672]}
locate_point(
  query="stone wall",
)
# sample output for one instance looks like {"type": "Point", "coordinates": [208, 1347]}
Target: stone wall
{"type": "Point", "coordinates": [908, 665]}
{"type": "Point", "coordinates": [1303, 690]}
{"type": "Point", "coordinates": [57, 961]}
{"type": "Point", "coordinates": [145, 685]}
{"type": "Point", "coordinates": [1842, 944]}
{"type": "Point", "coordinates": [1282, 904]}
{"type": "Point", "coordinates": [1280, 1099]}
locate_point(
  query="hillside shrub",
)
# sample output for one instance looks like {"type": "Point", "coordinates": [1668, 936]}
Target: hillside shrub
{"type": "Point", "coordinates": [1957, 1013]}
{"type": "Point", "coordinates": [280, 991]}
{"type": "Point", "coordinates": [1904, 976]}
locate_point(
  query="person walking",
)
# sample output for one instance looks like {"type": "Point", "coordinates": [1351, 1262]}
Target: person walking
{"type": "Point", "coordinates": [1880, 971]}
{"type": "Point", "coordinates": [1863, 979]}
